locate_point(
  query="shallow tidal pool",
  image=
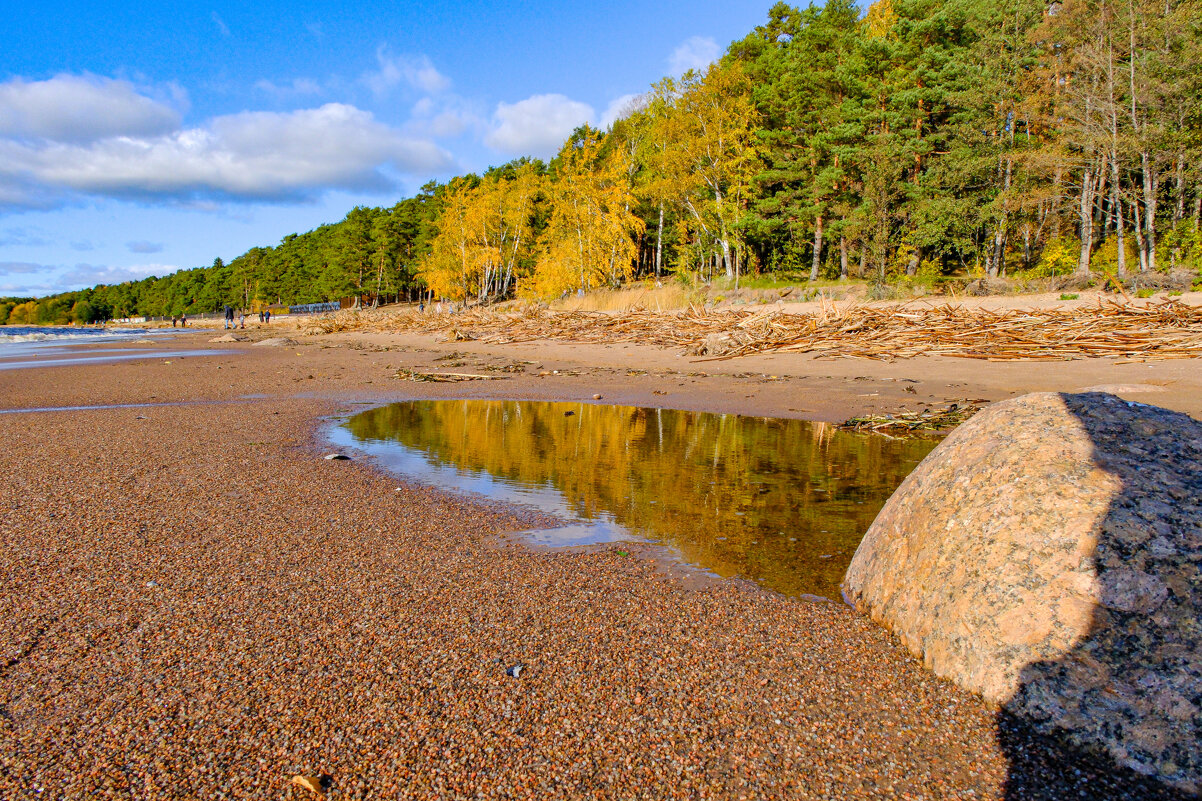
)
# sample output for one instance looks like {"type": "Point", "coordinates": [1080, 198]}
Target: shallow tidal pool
{"type": "Point", "coordinates": [781, 502]}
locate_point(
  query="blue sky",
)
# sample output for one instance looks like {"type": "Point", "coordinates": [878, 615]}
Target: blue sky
{"type": "Point", "coordinates": [140, 138]}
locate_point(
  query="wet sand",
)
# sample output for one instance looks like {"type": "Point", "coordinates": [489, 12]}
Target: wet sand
{"type": "Point", "coordinates": [196, 604]}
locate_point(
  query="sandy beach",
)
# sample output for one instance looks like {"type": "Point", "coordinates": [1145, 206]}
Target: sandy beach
{"type": "Point", "coordinates": [197, 605]}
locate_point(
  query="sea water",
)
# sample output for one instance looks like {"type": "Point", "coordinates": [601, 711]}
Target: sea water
{"type": "Point", "coordinates": [40, 346]}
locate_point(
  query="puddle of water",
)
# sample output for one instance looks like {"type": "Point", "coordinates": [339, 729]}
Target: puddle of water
{"type": "Point", "coordinates": [109, 355]}
{"type": "Point", "coordinates": [111, 406]}
{"type": "Point", "coordinates": [781, 502]}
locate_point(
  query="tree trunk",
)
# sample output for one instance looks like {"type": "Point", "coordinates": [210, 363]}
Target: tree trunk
{"type": "Point", "coordinates": [659, 241]}
{"type": "Point", "coordinates": [915, 260]}
{"type": "Point", "coordinates": [1179, 208]}
{"type": "Point", "coordinates": [1055, 205]}
{"type": "Point", "coordinates": [817, 262]}
{"type": "Point", "coordinates": [995, 263]}
{"type": "Point", "coordinates": [863, 260]}
{"type": "Point", "coordinates": [1179, 212]}
{"type": "Point", "coordinates": [842, 257]}
{"type": "Point", "coordinates": [1139, 237]}
{"type": "Point", "coordinates": [999, 237]}
{"type": "Point", "coordinates": [1086, 217]}
{"type": "Point", "coordinates": [1146, 248]}
{"type": "Point", "coordinates": [579, 241]}
{"type": "Point", "coordinates": [722, 240]}
{"type": "Point", "coordinates": [1151, 185]}
{"type": "Point", "coordinates": [513, 255]}
{"type": "Point", "coordinates": [379, 282]}
{"type": "Point", "coordinates": [1117, 203]}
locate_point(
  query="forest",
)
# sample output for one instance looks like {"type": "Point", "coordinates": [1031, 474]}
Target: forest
{"type": "Point", "coordinates": [917, 140]}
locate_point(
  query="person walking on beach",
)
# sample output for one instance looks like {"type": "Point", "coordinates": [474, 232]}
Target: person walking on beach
{"type": "Point", "coordinates": [242, 320]}
{"type": "Point", "coordinates": [267, 316]}
{"type": "Point", "coordinates": [229, 316]}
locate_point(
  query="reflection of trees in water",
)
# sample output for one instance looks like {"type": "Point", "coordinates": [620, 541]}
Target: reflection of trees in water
{"type": "Point", "coordinates": [764, 498]}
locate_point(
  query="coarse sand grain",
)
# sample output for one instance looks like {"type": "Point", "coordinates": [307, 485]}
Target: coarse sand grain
{"type": "Point", "coordinates": [197, 605]}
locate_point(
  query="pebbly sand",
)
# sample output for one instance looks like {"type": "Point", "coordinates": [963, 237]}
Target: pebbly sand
{"type": "Point", "coordinates": [197, 605]}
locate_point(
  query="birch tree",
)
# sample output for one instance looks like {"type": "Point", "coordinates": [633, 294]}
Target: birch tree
{"type": "Point", "coordinates": [589, 239]}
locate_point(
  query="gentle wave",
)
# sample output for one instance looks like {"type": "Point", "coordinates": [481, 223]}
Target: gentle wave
{"type": "Point", "coordinates": [25, 334]}
{"type": "Point", "coordinates": [40, 337]}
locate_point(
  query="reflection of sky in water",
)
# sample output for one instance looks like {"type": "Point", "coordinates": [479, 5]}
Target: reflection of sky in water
{"type": "Point", "coordinates": [427, 469]}
{"type": "Point", "coordinates": [102, 407]}
{"type": "Point", "coordinates": [104, 356]}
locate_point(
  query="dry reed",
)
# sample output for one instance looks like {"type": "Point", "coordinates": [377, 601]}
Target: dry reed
{"type": "Point", "coordinates": [1165, 330]}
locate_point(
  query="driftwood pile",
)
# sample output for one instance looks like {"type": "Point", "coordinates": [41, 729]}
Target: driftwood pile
{"type": "Point", "coordinates": [914, 424]}
{"type": "Point", "coordinates": [1166, 330]}
{"type": "Point", "coordinates": [414, 375]}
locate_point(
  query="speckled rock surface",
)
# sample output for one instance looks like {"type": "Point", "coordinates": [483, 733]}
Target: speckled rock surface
{"type": "Point", "coordinates": [1046, 555]}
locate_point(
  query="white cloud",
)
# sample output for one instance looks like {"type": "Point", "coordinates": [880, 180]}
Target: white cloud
{"type": "Point", "coordinates": [416, 71]}
{"type": "Point", "coordinates": [449, 123]}
{"type": "Point", "coordinates": [94, 275]}
{"type": "Point", "coordinates": [247, 156]}
{"type": "Point", "coordinates": [24, 267]}
{"type": "Point", "coordinates": [69, 108]}
{"type": "Point", "coordinates": [35, 281]}
{"type": "Point", "coordinates": [536, 126]}
{"type": "Point", "coordinates": [297, 86]}
{"type": "Point", "coordinates": [142, 246]}
{"type": "Point", "coordinates": [220, 23]}
{"type": "Point", "coordinates": [696, 53]}
{"type": "Point", "coordinates": [24, 237]}
{"type": "Point", "coordinates": [17, 190]}
{"type": "Point", "coordinates": [48, 279]}
{"type": "Point", "coordinates": [444, 117]}
{"type": "Point", "coordinates": [15, 290]}
{"type": "Point", "coordinates": [621, 108]}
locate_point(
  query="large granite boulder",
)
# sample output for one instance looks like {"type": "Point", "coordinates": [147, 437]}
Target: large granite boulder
{"type": "Point", "coordinates": [1046, 555]}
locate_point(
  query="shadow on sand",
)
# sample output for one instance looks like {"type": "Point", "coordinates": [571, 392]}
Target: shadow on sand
{"type": "Point", "coordinates": [1135, 681]}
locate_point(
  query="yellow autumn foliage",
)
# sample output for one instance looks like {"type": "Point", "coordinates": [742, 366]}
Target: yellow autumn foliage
{"type": "Point", "coordinates": [24, 314]}
{"type": "Point", "coordinates": [483, 233]}
{"type": "Point", "coordinates": [590, 237]}
{"type": "Point", "coordinates": [880, 18]}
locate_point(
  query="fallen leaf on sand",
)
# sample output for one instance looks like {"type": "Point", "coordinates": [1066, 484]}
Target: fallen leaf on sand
{"type": "Point", "coordinates": [311, 783]}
